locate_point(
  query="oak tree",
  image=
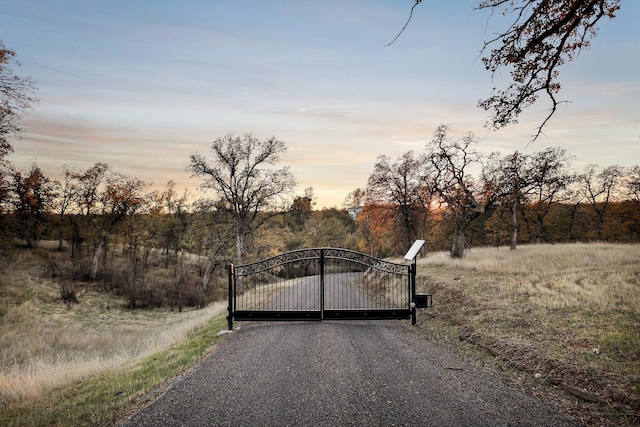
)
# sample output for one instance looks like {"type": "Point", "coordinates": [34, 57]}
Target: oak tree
{"type": "Point", "coordinates": [88, 185]}
{"type": "Point", "coordinates": [121, 198]}
{"type": "Point", "coordinates": [541, 36]}
{"type": "Point", "coordinates": [599, 187]}
{"type": "Point", "coordinates": [242, 174]}
{"type": "Point", "coordinates": [631, 190]}
{"type": "Point", "coordinates": [301, 209]}
{"type": "Point", "coordinates": [16, 96]}
{"type": "Point", "coordinates": [66, 189]}
{"type": "Point", "coordinates": [33, 196]}
{"type": "Point", "coordinates": [399, 186]}
{"type": "Point", "coordinates": [551, 176]}
{"type": "Point", "coordinates": [510, 181]}
{"type": "Point", "coordinates": [631, 183]}
{"type": "Point", "coordinates": [449, 162]}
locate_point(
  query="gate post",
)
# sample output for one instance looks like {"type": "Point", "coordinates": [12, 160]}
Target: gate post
{"type": "Point", "coordinates": [413, 292]}
{"type": "Point", "coordinates": [321, 284]}
{"type": "Point", "coordinates": [231, 301]}
{"type": "Point", "coordinates": [411, 256]}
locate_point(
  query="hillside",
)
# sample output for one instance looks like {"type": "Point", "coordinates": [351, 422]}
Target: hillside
{"type": "Point", "coordinates": [47, 343]}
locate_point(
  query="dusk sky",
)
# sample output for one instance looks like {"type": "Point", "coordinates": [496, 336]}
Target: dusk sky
{"type": "Point", "coordinates": [140, 85]}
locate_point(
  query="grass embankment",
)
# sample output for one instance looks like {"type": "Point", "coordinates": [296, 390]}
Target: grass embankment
{"type": "Point", "coordinates": [559, 320]}
{"type": "Point", "coordinates": [86, 363]}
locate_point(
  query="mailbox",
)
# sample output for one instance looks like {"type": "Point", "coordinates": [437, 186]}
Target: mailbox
{"type": "Point", "coordinates": [423, 301]}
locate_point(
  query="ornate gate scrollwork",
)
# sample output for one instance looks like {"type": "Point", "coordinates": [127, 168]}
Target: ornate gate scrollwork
{"type": "Point", "coordinates": [320, 284]}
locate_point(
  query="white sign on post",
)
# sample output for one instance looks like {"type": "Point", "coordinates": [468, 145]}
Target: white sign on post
{"type": "Point", "coordinates": [413, 251]}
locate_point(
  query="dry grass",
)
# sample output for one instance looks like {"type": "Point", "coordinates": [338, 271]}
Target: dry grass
{"type": "Point", "coordinates": [601, 277]}
{"type": "Point", "coordinates": [568, 312]}
{"type": "Point", "coordinates": [387, 289]}
{"type": "Point", "coordinates": [259, 293]}
{"type": "Point", "coordinates": [46, 344]}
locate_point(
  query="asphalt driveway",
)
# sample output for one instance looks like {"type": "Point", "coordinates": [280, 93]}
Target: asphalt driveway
{"type": "Point", "coordinates": [339, 374]}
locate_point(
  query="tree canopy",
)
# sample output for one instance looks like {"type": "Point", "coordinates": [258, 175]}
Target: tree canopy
{"type": "Point", "coordinates": [242, 175]}
{"type": "Point", "coordinates": [543, 35]}
{"type": "Point", "coordinates": [16, 96]}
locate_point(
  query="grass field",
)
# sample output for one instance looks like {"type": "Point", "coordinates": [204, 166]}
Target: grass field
{"type": "Point", "coordinates": [551, 319]}
{"type": "Point", "coordinates": [557, 319]}
{"type": "Point", "coordinates": [48, 347]}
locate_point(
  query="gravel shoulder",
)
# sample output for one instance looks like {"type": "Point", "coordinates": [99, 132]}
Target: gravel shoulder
{"type": "Point", "coordinates": [339, 373]}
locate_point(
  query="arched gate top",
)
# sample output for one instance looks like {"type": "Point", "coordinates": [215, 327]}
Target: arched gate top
{"type": "Point", "coordinates": [327, 253]}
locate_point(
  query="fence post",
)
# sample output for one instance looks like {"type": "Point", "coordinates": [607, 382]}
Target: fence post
{"type": "Point", "coordinates": [231, 302]}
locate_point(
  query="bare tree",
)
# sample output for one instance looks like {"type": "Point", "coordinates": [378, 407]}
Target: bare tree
{"type": "Point", "coordinates": [5, 188]}
{"type": "Point", "coordinates": [631, 191]}
{"type": "Point", "coordinates": [399, 185]}
{"type": "Point", "coordinates": [16, 96]}
{"type": "Point", "coordinates": [89, 183]}
{"type": "Point", "coordinates": [33, 195]}
{"type": "Point", "coordinates": [510, 181]}
{"type": "Point", "coordinates": [632, 183]}
{"type": "Point", "coordinates": [211, 237]}
{"type": "Point", "coordinates": [355, 199]}
{"type": "Point", "coordinates": [538, 181]}
{"type": "Point", "coordinates": [87, 199]}
{"type": "Point", "coordinates": [599, 188]}
{"type": "Point", "coordinates": [551, 175]}
{"type": "Point", "coordinates": [66, 190]}
{"type": "Point", "coordinates": [543, 35]}
{"type": "Point", "coordinates": [176, 226]}
{"type": "Point", "coordinates": [123, 196]}
{"type": "Point", "coordinates": [449, 178]}
{"type": "Point", "coordinates": [243, 176]}
{"type": "Point", "coordinates": [301, 208]}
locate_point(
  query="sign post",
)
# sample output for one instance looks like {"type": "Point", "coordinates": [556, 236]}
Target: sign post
{"type": "Point", "coordinates": [411, 256]}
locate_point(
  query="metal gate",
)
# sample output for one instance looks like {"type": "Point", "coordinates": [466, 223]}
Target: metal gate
{"type": "Point", "coordinates": [321, 284]}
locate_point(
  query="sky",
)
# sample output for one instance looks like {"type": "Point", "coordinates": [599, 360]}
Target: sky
{"type": "Point", "coordinates": [141, 85]}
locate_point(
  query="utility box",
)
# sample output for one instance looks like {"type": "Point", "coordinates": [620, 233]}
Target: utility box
{"type": "Point", "coordinates": [423, 301]}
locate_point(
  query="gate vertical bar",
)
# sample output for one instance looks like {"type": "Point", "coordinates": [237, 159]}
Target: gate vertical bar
{"type": "Point", "coordinates": [412, 278]}
{"type": "Point", "coordinates": [321, 284]}
{"type": "Point", "coordinates": [231, 297]}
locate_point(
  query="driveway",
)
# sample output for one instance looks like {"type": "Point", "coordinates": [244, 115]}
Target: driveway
{"type": "Point", "coordinates": [357, 373]}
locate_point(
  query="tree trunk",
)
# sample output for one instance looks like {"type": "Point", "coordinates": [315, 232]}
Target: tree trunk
{"type": "Point", "coordinates": [514, 225]}
{"type": "Point", "coordinates": [207, 272]}
{"type": "Point", "coordinates": [600, 213]}
{"type": "Point", "coordinates": [60, 237]}
{"type": "Point", "coordinates": [538, 231]}
{"type": "Point", "coordinates": [457, 249]}
{"type": "Point", "coordinates": [183, 268]}
{"type": "Point", "coordinates": [27, 237]}
{"type": "Point", "coordinates": [94, 264]}
{"type": "Point", "coordinates": [75, 238]}
{"type": "Point", "coordinates": [572, 224]}
{"type": "Point", "coordinates": [239, 244]}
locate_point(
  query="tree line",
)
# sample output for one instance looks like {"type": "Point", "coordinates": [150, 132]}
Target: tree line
{"type": "Point", "coordinates": [112, 229]}
{"type": "Point", "coordinates": [165, 247]}
{"type": "Point", "coordinates": [512, 198]}
{"type": "Point", "coordinates": [250, 204]}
